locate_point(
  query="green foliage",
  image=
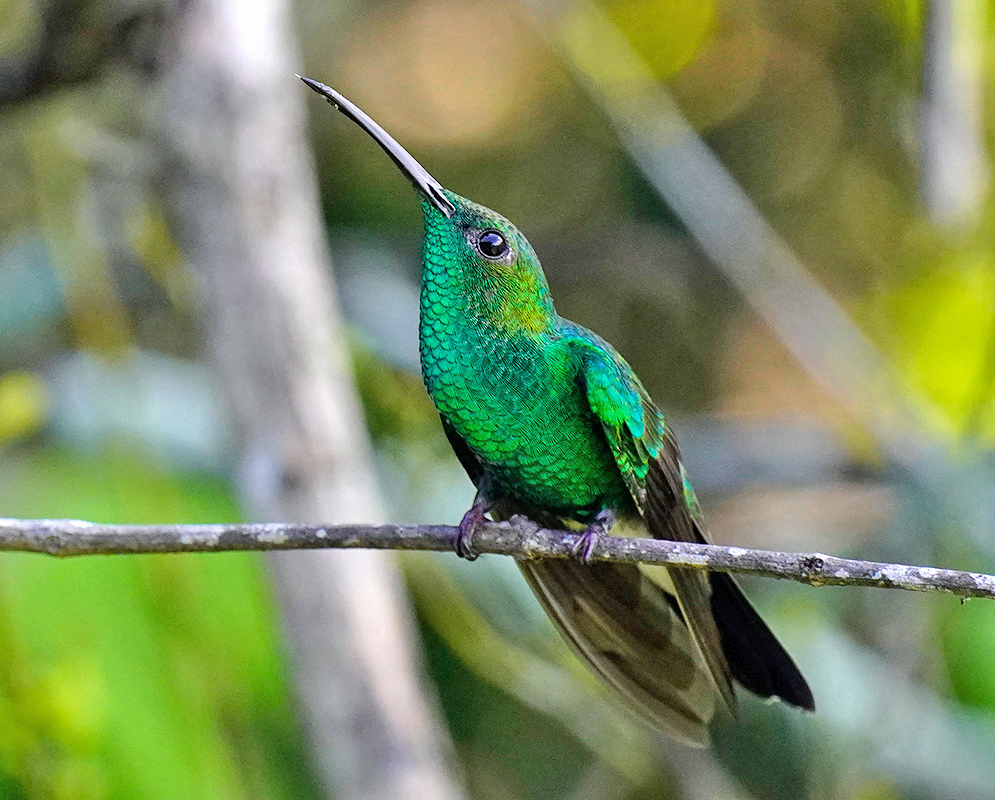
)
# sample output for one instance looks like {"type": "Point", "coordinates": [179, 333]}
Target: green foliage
{"type": "Point", "coordinates": [667, 33]}
{"type": "Point", "coordinates": [22, 405]}
{"type": "Point", "coordinates": [941, 330]}
{"type": "Point", "coordinates": [137, 677]}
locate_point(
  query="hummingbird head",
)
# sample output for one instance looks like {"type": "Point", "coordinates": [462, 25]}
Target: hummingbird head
{"type": "Point", "coordinates": [488, 265]}
{"type": "Point", "coordinates": [484, 260]}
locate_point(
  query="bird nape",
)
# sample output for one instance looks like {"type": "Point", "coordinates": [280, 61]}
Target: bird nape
{"type": "Point", "coordinates": [550, 421]}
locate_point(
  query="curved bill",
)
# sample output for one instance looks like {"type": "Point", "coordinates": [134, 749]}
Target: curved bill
{"type": "Point", "coordinates": [426, 185]}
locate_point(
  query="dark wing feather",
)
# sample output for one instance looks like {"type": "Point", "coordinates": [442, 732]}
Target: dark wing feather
{"type": "Point", "coordinates": [649, 462]}
{"type": "Point", "coordinates": [621, 623]}
{"type": "Point", "coordinates": [669, 516]}
{"type": "Point", "coordinates": [754, 655]}
{"type": "Point", "coordinates": [734, 641]}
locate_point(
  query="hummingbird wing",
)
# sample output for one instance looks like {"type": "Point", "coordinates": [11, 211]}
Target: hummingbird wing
{"type": "Point", "coordinates": [623, 625]}
{"type": "Point", "coordinates": [648, 458]}
{"type": "Point", "coordinates": [732, 637]}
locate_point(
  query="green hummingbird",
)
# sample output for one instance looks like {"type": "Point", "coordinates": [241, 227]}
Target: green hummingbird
{"type": "Point", "coordinates": [550, 422]}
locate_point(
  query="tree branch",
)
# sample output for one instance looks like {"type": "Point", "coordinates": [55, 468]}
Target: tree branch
{"type": "Point", "coordinates": [519, 538]}
{"type": "Point", "coordinates": [76, 40]}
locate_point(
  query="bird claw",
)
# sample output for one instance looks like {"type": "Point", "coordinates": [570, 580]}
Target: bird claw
{"type": "Point", "coordinates": [585, 544]}
{"type": "Point", "coordinates": [587, 540]}
{"type": "Point", "coordinates": [463, 541]}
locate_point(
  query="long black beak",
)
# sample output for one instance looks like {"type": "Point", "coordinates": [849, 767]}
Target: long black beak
{"type": "Point", "coordinates": [426, 185]}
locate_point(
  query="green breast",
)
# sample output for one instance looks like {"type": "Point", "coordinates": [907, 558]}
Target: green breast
{"type": "Point", "coordinates": [516, 403]}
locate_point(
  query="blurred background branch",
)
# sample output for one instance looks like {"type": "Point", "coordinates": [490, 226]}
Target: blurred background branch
{"type": "Point", "coordinates": [955, 165]}
{"type": "Point", "coordinates": [75, 40]}
{"type": "Point", "coordinates": [240, 186]}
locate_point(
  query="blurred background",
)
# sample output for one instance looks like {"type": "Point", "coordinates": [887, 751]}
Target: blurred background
{"type": "Point", "coordinates": [780, 213]}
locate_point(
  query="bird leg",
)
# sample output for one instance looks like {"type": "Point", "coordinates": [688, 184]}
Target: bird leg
{"type": "Point", "coordinates": [482, 503]}
{"type": "Point", "coordinates": [588, 538]}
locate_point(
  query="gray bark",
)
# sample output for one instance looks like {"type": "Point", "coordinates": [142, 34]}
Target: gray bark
{"type": "Point", "coordinates": [519, 538]}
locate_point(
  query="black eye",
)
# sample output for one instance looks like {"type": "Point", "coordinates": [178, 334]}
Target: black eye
{"type": "Point", "coordinates": [492, 244]}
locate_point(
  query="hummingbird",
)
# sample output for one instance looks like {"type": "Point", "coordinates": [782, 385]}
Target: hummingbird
{"type": "Point", "coordinates": [551, 423]}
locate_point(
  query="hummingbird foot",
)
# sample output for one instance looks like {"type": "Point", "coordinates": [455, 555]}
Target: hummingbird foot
{"type": "Point", "coordinates": [463, 541]}
{"type": "Point", "coordinates": [587, 540]}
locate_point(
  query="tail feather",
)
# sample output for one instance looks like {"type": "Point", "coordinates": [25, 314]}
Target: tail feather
{"type": "Point", "coordinates": [734, 641]}
{"type": "Point", "coordinates": [755, 656]}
